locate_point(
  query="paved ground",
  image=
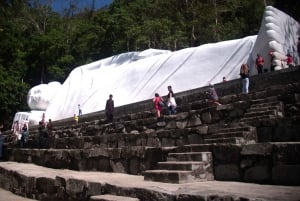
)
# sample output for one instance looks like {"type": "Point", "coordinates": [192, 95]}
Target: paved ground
{"type": "Point", "coordinates": [8, 196]}
{"type": "Point", "coordinates": [255, 191]}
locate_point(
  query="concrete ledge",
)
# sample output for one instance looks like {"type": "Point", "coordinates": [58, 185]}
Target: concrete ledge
{"type": "Point", "coordinates": [74, 185]}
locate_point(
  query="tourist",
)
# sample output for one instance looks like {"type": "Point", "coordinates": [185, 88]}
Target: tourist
{"type": "Point", "coordinates": [298, 47]}
{"type": "Point", "coordinates": [244, 73]}
{"type": "Point", "coordinates": [109, 109]}
{"type": "Point", "coordinates": [171, 101]}
{"type": "Point", "coordinates": [16, 131]}
{"type": "Point", "coordinates": [43, 120]}
{"type": "Point", "coordinates": [24, 136]}
{"type": "Point", "coordinates": [214, 98]}
{"type": "Point", "coordinates": [43, 135]}
{"type": "Point", "coordinates": [289, 60]}
{"type": "Point", "coordinates": [158, 105]}
{"type": "Point", "coordinates": [49, 127]}
{"type": "Point", "coordinates": [79, 110]}
{"type": "Point", "coordinates": [272, 61]}
{"type": "Point", "coordinates": [224, 79]}
{"type": "Point", "coordinates": [259, 62]}
{"type": "Point", "coordinates": [1, 140]}
{"type": "Point", "coordinates": [76, 119]}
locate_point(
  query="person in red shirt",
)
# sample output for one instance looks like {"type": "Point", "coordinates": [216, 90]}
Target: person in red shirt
{"type": "Point", "coordinates": [289, 60]}
{"type": "Point", "coordinates": [158, 104]}
{"type": "Point", "coordinates": [259, 63]}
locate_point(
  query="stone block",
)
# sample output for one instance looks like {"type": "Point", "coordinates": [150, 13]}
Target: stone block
{"type": "Point", "coordinates": [194, 120]}
{"type": "Point", "coordinates": [171, 125]}
{"type": "Point", "coordinates": [121, 143]}
{"type": "Point", "coordinates": [181, 124]}
{"type": "Point", "coordinates": [236, 113]}
{"type": "Point", "coordinates": [74, 186]}
{"type": "Point", "coordinates": [227, 172]}
{"type": "Point", "coordinates": [114, 153]}
{"type": "Point", "coordinates": [206, 117]}
{"type": "Point", "coordinates": [224, 154]}
{"type": "Point", "coordinates": [153, 142]}
{"type": "Point", "coordinates": [264, 149]}
{"type": "Point", "coordinates": [200, 129]}
{"type": "Point", "coordinates": [180, 142]}
{"type": "Point", "coordinates": [286, 153]}
{"type": "Point", "coordinates": [103, 164]}
{"type": "Point", "coordinates": [133, 166]}
{"type": "Point", "coordinates": [264, 134]}
{"type": "Point", "coordinates": [94, 188]}
{"type": "Point", "coordinates": [177, 133]}
{"type": "Point", "coordinates": [260, 173]}
{"type": "Point", "coordinates": [138, 151]}
{"type": "Point", "coordinates": [140, 141]}
{"type": "Point", "coordinates": [89, 153]}
{"type": "Point", "coordinates": [195, 139]}
{"type": "Point", "coordinates": [167, 142]}
{"type": "Point", "coordinates": [286, 133]}
{"type": "Point", "coordinates": [225, 107]}
{"type": "Point", "coordinates": [286, 174]}
{"type": "Point", "coordinates": [91, 164]}
{"type": "Point", "coordinates": [118, 166]}
{"type": "Point", "coordinates": [182, 116]}
{"type": "Point", "coordinates": [163, 133]}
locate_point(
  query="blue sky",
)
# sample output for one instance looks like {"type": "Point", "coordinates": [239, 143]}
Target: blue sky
{"type": "Point", "coordinates": [60, 5]}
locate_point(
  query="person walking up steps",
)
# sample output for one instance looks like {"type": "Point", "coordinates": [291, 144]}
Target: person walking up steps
{"type": "Point", "coordinates": [244, 73]}
{"type": "Point", "coordinates": [171, 101]}
{"type": "Point", "coordinates": [109, 109]}
{"type": "Point", "coordinates": [158, 105]}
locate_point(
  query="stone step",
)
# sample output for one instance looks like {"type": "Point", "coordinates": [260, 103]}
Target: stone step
{"type": "Point", "coordinates": [262, 113]}
{"type": "Point", "coordinates": [182, 165]}
{"type": "Point", "coordinates": [229, 140]}
{"type": "Point", "coordinates": [245, 134]}
{"type": "Point", "coordinates": [109, 197]}
{"type": "Point", "coordinates": [236, 129]}
{"type": "Point", "coordinates": [177, 176]}
{"type": "Point", "coordinates": [190, 156]}
{"type": "Point", "coordinates": [257, 118]}
{"type": "Point", "coordinates": [264, 100]}
{"type": "Point", "coordinates": [193, 148]}
{"type": "Point", "coordinates": [274, 107]}
{"type": "Point", "coordinates": [269, 104]}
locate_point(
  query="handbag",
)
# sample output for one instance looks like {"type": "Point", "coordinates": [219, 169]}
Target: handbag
{"type": "Point", "coordinates": [172, 102]}
{"type": "Point", "coordinates": [161, 103]}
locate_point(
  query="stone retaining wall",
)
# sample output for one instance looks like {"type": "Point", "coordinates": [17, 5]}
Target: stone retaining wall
{"type": "Point", "coordinates": [265, 163]}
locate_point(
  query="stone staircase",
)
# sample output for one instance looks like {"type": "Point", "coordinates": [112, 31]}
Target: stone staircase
{"type": "Point", "coordinates": [183, 168]}
{"type": "Point", "coordinates": [194, 166]}
{"type": "Point", "coordinates": [263, 110]}
{"type": "Point", "coordinates": [233, 135]}
{"type": "Point", "coordinates": [199, 143]}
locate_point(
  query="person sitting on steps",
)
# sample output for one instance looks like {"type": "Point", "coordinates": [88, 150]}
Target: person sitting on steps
{"type": "Point", "coordinates": [214, 98]}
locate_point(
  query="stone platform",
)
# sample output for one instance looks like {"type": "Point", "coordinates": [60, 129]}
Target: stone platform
{"type": "Point", "coordinates": [7, 195]}
{"type": "Point", "coordinates": [23, 179]}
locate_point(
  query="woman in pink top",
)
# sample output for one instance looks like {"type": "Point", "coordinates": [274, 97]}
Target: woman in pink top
{"type": "Point", "coordinates": [158, 104]}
